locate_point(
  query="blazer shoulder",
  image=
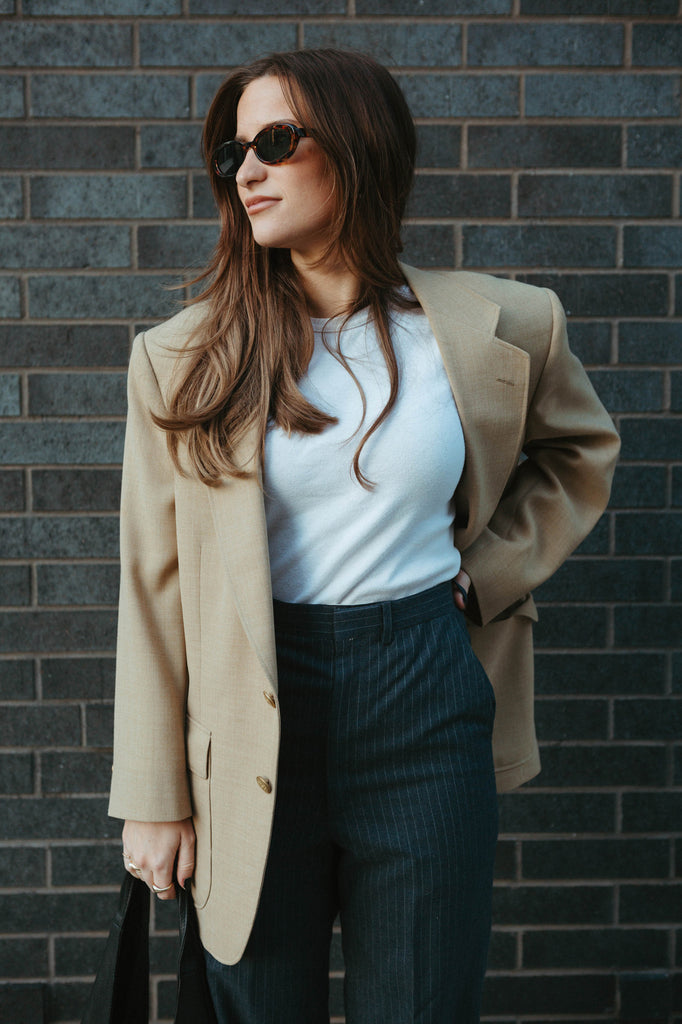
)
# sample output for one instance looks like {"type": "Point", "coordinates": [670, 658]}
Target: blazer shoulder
{"type": "Point", "coordinates": [164, 345]}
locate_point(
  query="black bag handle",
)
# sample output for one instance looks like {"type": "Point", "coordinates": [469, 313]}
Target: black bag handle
{"type": "Point", "coordinates": [120, 993]}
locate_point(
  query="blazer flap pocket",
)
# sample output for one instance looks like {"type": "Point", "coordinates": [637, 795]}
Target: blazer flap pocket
{"type": "Point", "coordinates": [198, 748]}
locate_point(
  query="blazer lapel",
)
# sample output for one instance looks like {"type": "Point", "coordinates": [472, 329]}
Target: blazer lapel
{"type": "Point", "coordinates": [489, 381]}
{"type": "Point", "coordinates": [239, 517]}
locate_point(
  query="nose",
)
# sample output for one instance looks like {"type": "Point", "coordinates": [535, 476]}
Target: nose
{"type": "Point", "coordinates": [251, 170]}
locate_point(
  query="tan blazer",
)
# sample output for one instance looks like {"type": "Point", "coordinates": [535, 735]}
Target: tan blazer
{"type": "Point", "coordinates": [197, 719]}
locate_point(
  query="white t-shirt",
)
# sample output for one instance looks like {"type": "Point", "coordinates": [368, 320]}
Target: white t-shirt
{"type": "Point", "coordinates": [332, 541]}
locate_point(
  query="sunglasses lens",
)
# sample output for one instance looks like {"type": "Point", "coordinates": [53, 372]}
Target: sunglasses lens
{"type": "Point", "coordinates": [275, 144]}
{"type": "Point", "coordinates": [228, 159]}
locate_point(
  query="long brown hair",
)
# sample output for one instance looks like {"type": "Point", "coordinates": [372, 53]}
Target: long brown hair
{"type": "Point", "coordinates": [255, 342]}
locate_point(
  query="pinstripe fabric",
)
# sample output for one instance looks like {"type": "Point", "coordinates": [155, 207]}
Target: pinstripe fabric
{"type": "Point", "coordinates": [386, 812]}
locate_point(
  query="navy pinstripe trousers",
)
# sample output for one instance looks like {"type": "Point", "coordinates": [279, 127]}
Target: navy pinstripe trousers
{"type": "Point", "coordinates": [386, 813]}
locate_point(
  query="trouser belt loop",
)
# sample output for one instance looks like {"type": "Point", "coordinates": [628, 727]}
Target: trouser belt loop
{"type": "Point", "coordinates": [387, 623]}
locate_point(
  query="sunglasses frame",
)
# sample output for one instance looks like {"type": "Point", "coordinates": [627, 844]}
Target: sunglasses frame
{"type": "Point", "coordinates": [297, 133]}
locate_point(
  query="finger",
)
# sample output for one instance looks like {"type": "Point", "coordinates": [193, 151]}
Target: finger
{"type": "Point", "coordinates": [186, 857]}
{"type": "Point", "coordinates": [162, 888]}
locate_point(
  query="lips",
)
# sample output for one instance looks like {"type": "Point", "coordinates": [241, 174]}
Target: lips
{"type": "Point", "coordinates": [254, 204]}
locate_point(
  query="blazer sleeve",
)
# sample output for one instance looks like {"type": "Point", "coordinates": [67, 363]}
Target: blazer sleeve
{"type": "Point", "coordinates": [149, 777]}
{"type": "Point", "coordinates": [558, 491]}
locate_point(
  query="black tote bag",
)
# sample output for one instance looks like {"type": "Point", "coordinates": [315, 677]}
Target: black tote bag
{"type": "Point", "coordinates": [120, 993]}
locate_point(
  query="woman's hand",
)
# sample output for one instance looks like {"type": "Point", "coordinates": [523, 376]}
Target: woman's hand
{"type": "Point", "coordinates": [463, 580]}
{"type": "Point", "coordinates": [150, 850]}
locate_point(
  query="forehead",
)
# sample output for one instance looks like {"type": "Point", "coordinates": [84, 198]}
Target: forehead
{"type": "Point", "coordinates": [262, 103]}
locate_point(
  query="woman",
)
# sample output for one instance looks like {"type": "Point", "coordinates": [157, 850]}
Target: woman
{"type": "Point", "coordinates": [320, 426]}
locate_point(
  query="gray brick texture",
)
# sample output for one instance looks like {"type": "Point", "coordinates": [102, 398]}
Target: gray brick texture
{"type": "Point", "coordinates": [550, 146]}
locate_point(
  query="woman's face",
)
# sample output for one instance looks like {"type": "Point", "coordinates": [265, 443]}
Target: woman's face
{"type": "Point", "coordinates": [289, 205]}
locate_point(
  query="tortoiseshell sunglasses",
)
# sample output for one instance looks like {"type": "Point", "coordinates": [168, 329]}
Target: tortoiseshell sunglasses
{"type": "Point", "coordinates": [272, 145]}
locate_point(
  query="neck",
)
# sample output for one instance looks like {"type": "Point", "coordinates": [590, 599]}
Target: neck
{"type": "Point", "coordinates": [329, 288]}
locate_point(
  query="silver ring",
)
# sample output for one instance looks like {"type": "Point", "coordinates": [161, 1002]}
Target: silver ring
{"type": "Point", "coordinates": [131, 866]}
{"type": "Point", "coordinates": [161, 888]}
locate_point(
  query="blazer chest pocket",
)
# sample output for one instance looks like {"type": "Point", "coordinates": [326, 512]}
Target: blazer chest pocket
{"type": "Point", "coordinates": [199, 765]}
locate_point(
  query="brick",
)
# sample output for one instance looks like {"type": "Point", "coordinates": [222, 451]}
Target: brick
{"type": "Point", "coordinates": [7, 6]}
{"type": "Point", "coordinates": [170, 145]}
{"type": "Point", "coordinates": [206, 88]}
{"type": "Point", "coordinates": [453, 8]}
{"type": "Point", "coordinates": [102, 196]}
{"type": "Point", "coordinates": [16, 773]}
{"type": "Point", "coordinates": [203, 204]}
{"type": "Point", "coordinates": [593, 673]}
{"type": "Point", "coordinates": [656, 342]}
{"type": "Point", "coordinates": [594, 195]}
{"type": "Point", "coordinates": [60, 536]}
{"type": "Point", "coordinates": [396, 45]}
{"type": "Point", "coordinates": [11, 490]}
{"type": "Point", "coordinates": [66, 999]}
{"type": "Point", "coordinates": [41, 725]}
{"type": "Point", "coordinates": [34, 245]}
{"type": "Point", "coordinates": [12, 95]}
{"type": "Point", "coordinates": [629, 390]}
{"type": "Point", "coordinates": [76, 489]}
{"type": "Point", "coordinates": [543, 994]}
{"type": "Point", "coordinates": [76, 955]}
{"type": "Point", "coordinates": [648, 626]}
{"type": "Point", "coordinates": [645, 996]}
{"type": "Point", "coordinates": [553, 905]}
{"type": "Point", "coordinates": [618, 295]}
{"type": "Point", "coordinates": [652, 812]}
{"type": "Point", "coordinates": [676, 580]}
{"type": "Point", "coordinates": [52, 147]}
{"type": "Point", "coordinates": [461, 95]}
{"type": "Point", "coordinates": [78, 394]}
{"type": "Point", "coordinates": [11, 198]}
{"type": "Point", "coordinates": [534, 146]}
{"type": "Point", "coordinates": [15, 585]}
{"type": "Point", "coordinates": [99, 725]}
{"type": "Point", "coordinates": [657, 45]}
{"type": "Point", "coordinates": [654, 145]}
{"type": "Point", "coordinates": [17, 680]}
{"type": "Point", "coordinates": [86, 865]}
{"type": "Point", "coordinates": [505, 859]}
{"type": "Point", "coordinates": [61, 442]}
{"type": "Point", "coordinates": [591, 342]}
{"type": "Point", "coordinates": [57, 631]}
{"type": "Point", "coordinates": [647, 719]}
{"type": "Point", "coordinates": [572, 719]}
{"type": "Point", "coordinates": [598, 541]}
{"type": "Point", "coordinates": [109, 8]}
{"type": "Point", "coordinates": [78, 678]}
{"type": "Point", "coordinates": [603, 95]}
{"type": "Point", "coordinates": [78, 772]}
{"type": "Point", "coordinates": [595, 947]}
{"type": "Point", "coordinates": [10, 395]}
{"type": "Point", "coordinates": [608, 859]}
{"type": "Point", "coordinates": [22, 866]}
{"type": "Point", "coordinates": [601, 766]}
{"type": "Point", "coordinates": [169, 44]}
{"type": "Point", "coordinates": [659, 246]}
{"type": "Point", "coordinates": [571, 627]}
{"type": "Point", "coordinates": [23, 958]}
{"type": "Point", "coordinates": [57, 45]}
{"type": "Point", "coordinates": [460, 195]}
{"type": "Point", "coordinates": [538, 245]}
{"type": "Point", "coordinates": [137, 96]}
{"type": "Point", "coordinates": [604, 580]}
{"type": "Point", "coordinates": [648, 533]}
{"type": "Point", "coordinates": [677, 486]}
{"type": "Point", "coordinates": [63, 345]}
{"type": "Point", "coordinates": [676, 392]}
{"type": "Point", "coordinates": [438, 145]}
{"type": "Point", "coordinates": [431, 245]}
{"type": "Point", "coordinates": [22, 1002]}
{"type": "Point", "coordinates": [556, 812]}
{"type": "Point", "coordinates": [78, 584]}
{"type": "Point", "coordinates": [60, 912]}
{"type": "Point", "coordinates": [268, 7]}
{"type": "Point", "coordinates": [535, 45]}
{"type": "Point", "coordinates": [82, 297]}
{"type": "Point", "coordinates": [10, 300]}
{"type": "Point", "coordinates": [651, 904]}
{"type": "Point", "coordinates": [598, 7]}
{"type": "Point", "coordinates": [179, 245]}
{"type": "Point", "coordinates": [502, 951]}
{"type": "Point", "coordinates": [639, 487]}
{"type": "Point", "coordinates": [56, 818]}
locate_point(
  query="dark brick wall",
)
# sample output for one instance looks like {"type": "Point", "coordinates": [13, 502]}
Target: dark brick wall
{"type": "Point", "coordinates": [550, 146]}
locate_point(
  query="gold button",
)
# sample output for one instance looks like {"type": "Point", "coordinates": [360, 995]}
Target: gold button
{"type": "Point", "coordinates": [270, 698]}
{"type": "Point", "coordinates": [264, 784]}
